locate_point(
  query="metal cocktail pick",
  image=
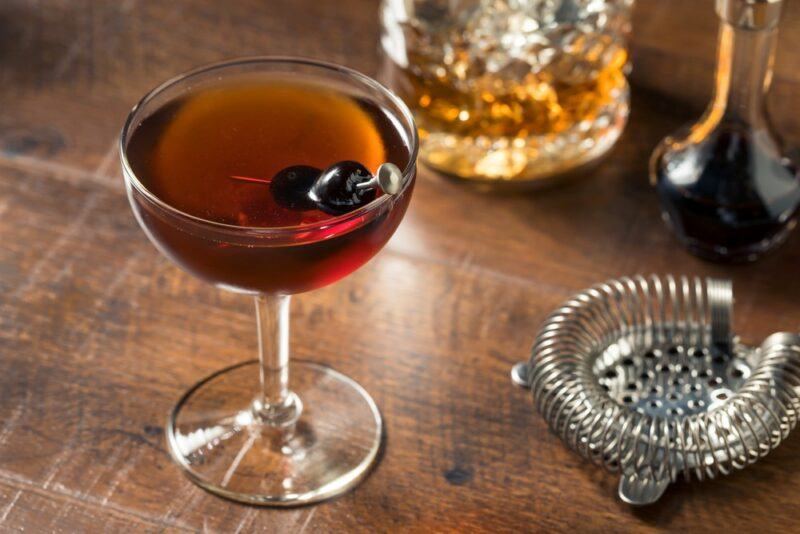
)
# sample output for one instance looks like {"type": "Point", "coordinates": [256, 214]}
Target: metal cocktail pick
{"type": "Point", "coordinates": [389, 178]}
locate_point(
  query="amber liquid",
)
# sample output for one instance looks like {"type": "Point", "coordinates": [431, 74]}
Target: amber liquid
{"type": "Point", "coordinates": [186, 152]}
{"type": "Point", "coordinates": [522, 128]}
{"type": "Point", "coordinates": [535, 105]}
{"type": "Point", "coordinates": [743, 202]}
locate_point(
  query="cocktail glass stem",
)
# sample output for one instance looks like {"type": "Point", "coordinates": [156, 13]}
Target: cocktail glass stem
{"type": "Point", "coordinates": [276, 405]}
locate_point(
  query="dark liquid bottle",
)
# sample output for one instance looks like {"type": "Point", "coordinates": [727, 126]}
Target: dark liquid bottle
{"type": "Point", "coordinates": [727, 186]}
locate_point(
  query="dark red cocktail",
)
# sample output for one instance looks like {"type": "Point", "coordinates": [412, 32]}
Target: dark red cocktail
{"type": "Point", "coordinates": [195, 153]}
{"type": "Point", "coordinates": [271, 176]}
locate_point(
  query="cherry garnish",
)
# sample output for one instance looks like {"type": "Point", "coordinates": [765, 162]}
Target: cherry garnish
{"type": "Point", "coordinates": [290, 187]}
{"type": "Point", "coordinates": [341, 188]}
{"type": "Point", "coordinates": [336, 191]}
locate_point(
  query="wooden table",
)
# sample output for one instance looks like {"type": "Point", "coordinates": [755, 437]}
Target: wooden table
{"type": "Point", "coordinates": [99, 334]}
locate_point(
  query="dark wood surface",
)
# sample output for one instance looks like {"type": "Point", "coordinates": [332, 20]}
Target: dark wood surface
{"type": "Point", "coordinates": [99, 334]}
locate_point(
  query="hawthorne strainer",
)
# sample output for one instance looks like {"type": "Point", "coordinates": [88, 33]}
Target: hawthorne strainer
{"type": "Point", "coordinates": [644, 377]}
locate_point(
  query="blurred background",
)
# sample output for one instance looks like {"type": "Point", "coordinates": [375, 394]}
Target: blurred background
{"type": "Point", "coordinates": [103, 55]}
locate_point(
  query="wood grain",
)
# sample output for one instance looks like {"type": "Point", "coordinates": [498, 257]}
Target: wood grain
{"type": "Point", "coordinates": [99, 334]}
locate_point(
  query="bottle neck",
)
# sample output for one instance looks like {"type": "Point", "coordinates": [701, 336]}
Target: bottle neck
{"type": "Point", "coordinates": [744, 72]}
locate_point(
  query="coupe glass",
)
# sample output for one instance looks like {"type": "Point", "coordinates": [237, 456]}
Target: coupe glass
{"type": "Point", "coordinates": [271, 431]}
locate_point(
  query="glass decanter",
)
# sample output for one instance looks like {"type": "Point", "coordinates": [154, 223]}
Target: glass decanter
{"type": "Point", "coordinates": [727, 185]}
{"type": "Point", "coordinates": [510, 92]}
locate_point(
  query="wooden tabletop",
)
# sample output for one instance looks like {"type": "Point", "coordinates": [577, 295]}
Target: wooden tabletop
{"type": "Point", "coordinates": [99, 334]}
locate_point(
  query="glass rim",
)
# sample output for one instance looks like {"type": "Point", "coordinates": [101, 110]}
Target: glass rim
{"type": "Point", "coordinates": [130, 176]}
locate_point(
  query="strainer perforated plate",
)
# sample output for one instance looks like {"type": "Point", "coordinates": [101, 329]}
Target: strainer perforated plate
{"type": "Point", "coordinates": [644, 377]}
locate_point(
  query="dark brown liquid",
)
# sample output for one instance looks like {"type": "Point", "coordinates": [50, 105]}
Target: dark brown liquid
{"type": "Point", "coordinates": [186, 152]}
{"type": "Point", "coordinates": [742, 202]}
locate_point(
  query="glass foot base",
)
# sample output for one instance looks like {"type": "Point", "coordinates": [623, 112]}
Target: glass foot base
{"type": "Point", "coordinates": [215, 433]}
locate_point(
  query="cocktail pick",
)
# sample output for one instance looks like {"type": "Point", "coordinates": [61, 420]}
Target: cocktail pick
{"type": "Point", "coordinates": [389, 178]}
{"type": "Point", "coordinates": [250, 179]}
{"type": "Point", "coordinates": [342, 187]}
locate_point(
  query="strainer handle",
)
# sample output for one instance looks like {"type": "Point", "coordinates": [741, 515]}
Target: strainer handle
{"type": "Point", "coordinates": [641, 491]}
{"type": "Point", "coordinates": [519, 375]}
{"type": "Point", "coordinates": [720, 307]}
